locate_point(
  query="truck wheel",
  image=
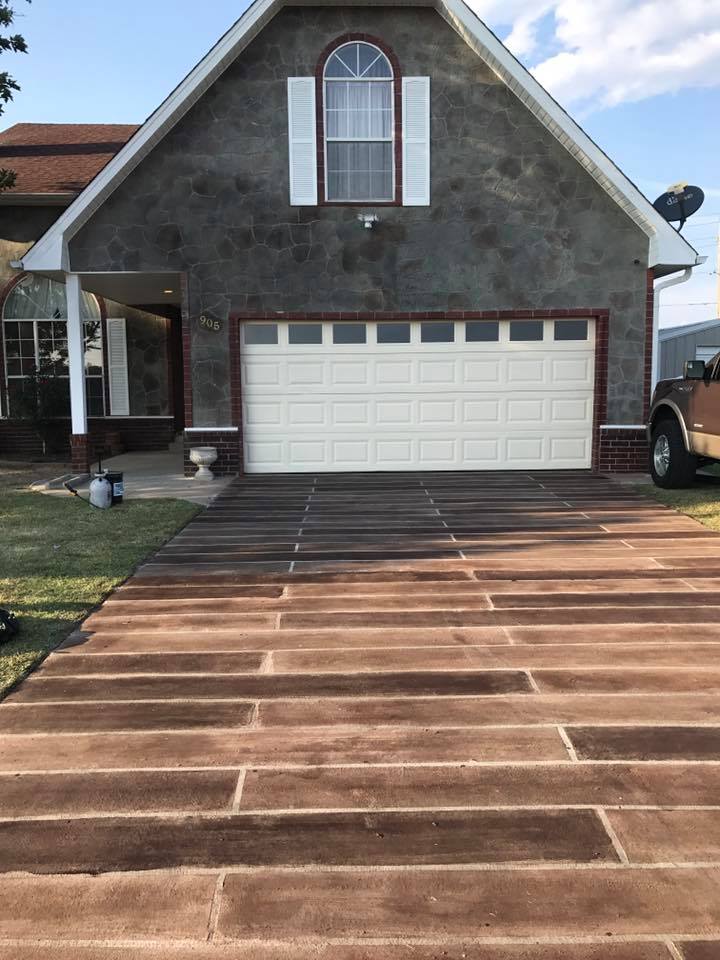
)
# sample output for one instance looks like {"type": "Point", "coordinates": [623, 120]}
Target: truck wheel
{"type": "Point", "coordinates": [671, 466]}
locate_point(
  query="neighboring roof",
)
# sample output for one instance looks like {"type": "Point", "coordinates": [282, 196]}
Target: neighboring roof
{"type": "Point", "coordinates": [669, 333]}
{"type": "Point", "coordinates": [56, 159]}
{"type": "Point", "coordinates": [668, 249]}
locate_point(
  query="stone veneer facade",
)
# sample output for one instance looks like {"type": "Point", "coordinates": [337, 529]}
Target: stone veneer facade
{"type": "Point", "coordinates": [514, 222]}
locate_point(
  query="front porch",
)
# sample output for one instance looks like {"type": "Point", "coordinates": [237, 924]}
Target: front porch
{"type": "Point", "coordinates": [91, 365]}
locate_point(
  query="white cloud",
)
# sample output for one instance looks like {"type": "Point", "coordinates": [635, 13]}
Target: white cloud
{"type": "Point", "coordinates": [607, 52]}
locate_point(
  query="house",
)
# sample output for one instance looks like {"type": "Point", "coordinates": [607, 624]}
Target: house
{"type": "Point", "coordinates": [378, 243]}
{"type": "Point", "coordinates": [693, 341]}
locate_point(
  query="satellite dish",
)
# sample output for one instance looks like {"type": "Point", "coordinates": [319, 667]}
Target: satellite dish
{"type": "Point", "coordinates": [679, 203]}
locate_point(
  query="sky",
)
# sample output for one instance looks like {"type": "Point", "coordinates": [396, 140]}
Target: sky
{"type": "Point", "coordinates": [642, 78]}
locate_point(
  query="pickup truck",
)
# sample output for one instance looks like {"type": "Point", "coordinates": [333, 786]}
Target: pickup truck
{"type": "Point", "coordinates": [684, 424]}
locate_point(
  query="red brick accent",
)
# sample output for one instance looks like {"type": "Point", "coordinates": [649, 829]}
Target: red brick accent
{"type": "Point", "coordinates": [80, 452]}
{"type": "Point", "coordinates": [374, 315]}
{"type": "Point", "coordinates": [601, 384]}
{"type": "Point", "coordinates": [18, 439]}
{"type": "Point", "coordinates": [623, 451]}
{"type": "Point", "coordinates": [320, 118]}
{"type": "Point", "coordinates": [228, 444]}
{"type": "Point", "coordinates": [649, 324]}
{"type": "Point", "coordinates": [187, 351]}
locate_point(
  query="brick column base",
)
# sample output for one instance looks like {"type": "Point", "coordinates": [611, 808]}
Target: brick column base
{"type": "Point", "coordinates": [228, 444]}
{"type": "Point", "coordinates": [80, 452]}
{"type": "Point", "coordinates": [623, 450]}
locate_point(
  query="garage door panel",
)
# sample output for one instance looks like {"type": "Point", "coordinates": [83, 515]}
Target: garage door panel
{"type": "Point", "coordinates": [420, 405]}
{"type": "Point", "coordinates": [394, 452]}
{"type": "Point", "coordinates": [344, 373]}
{"type": "Point", "coordinates": [350, 412]}
{"type": "Point", "coordinates": [393, 413]}
{"type": "Point", "coordinates": [307, 414]}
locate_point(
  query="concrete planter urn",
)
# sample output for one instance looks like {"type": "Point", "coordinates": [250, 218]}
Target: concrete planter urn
{"type": "Point", "coordinates": [204, 458]}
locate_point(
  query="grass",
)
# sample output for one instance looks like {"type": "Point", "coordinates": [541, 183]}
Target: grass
{"type": "Point", "coordinates": [701, 501]}
{"type": "Point", "coordinates": [59, 558]}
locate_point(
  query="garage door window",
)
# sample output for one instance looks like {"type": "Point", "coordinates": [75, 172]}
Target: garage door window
{"type": "Point", "coordinates": [261, 333]}
{"type": "Point", "coordinates": [349, 333]}
{"type": "Point", "coordinates": [304, 333]}
{"type": "Point", "coordinates": [440, 332]}
{"type": "Point", "coordinates": [393, 333]}
{"type": "Point", "coordinates": [482, 331]}
{"type": "Point", "coordinates": [571, 330]}
{"type": "Point", "coordinates": [523, 331]}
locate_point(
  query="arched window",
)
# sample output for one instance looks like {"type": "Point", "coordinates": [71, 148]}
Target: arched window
{"type": "Point", "coordinates": [35, 341]}
{"type": "Point", "coordinates": [359, 122]}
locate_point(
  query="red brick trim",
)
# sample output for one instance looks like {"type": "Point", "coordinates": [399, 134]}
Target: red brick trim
{"type": "Point", "coordinates": [601, 384]}
{"type": "Point", "coordinates": [374, 315]}
{"type": "Point", "coordinates": [649, 329]}
{"type": "Point", "coordinates": [80, 452]}
{"type": "Point", "coordinates": [186, 349]}
{"type": "Point", "coordinates": [623, 450]}
{"type": "Point", "coordinates": [320, 118]}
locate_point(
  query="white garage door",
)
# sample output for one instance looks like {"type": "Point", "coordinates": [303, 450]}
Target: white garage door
{"type": "Point", "coordinates": [435, 395]}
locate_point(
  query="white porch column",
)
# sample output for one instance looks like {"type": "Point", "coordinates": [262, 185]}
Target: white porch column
{"type": "Point", "coordinates": [76, 354]}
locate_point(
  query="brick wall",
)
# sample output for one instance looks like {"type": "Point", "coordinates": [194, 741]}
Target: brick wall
{"type": "Point", "coordinates": [623, 450]}
{"type": "Point", "coordinates": [227, 444]}
{"type": "Point", "coordinates": [19, 441]}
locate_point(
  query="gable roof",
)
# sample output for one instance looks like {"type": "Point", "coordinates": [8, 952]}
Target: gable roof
{"type": "Point", "coordinates": [669, 333]}
{"type": "Point", "coordinates": [668, 249]}
{"type": "Point", "coordinates": [58, 160]}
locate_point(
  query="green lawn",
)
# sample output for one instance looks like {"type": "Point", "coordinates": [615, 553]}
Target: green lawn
{"type": "Point", "coordinates": [60, 557]}
{"type": "Point", "coordinates": [701, 501]}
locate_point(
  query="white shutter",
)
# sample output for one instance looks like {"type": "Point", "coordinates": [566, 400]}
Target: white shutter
{"type": "Point", "coordinates": [416, 141]}
{"type": "Point", "coordinates": [302, 139]}
{"type": "Point", "coordinates": [117, 369]}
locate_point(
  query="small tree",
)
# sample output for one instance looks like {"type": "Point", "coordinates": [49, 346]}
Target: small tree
{"type": "Point", "coordinates": [44, 400]}
{"type": "Point", "coordinates": [12, 43]}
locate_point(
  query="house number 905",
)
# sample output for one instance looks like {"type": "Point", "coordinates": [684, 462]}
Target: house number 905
{"type": "Point", "coordinates": [211, 323]}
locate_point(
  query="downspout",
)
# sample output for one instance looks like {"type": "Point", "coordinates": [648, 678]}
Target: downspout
{"type": "Point", "coordinates": [657, 289]}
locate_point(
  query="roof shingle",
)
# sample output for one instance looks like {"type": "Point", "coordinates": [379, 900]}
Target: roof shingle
{"type": "Point", "coordinates": [59, 157]}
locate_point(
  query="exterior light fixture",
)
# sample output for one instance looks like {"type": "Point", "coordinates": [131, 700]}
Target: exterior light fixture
{"type": "Point", "coordinates": [168, 291]}
{"type": "Point", "coordinates": [368, 220]}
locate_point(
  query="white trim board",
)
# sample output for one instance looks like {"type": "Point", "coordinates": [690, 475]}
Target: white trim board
{"type": "Point", "coordinates": [666, 246]}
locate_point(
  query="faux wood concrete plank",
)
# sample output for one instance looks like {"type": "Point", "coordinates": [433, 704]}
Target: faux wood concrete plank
{"type": "Point", "coordinates": [505, 657]}
{"type": "Point", "coordinates": [178, 621]}
{"type": "Point", "coordinates": [606, 598]}
{"type": "Point", "coordinates": [295, 951]}
{"type": "Point", "coordinates": [109, 717]}
{"type": "Point", "coordinates": [70, 794]}
{"type": "Point", "coordinates": [544, 785]}
{"type": "Point", "coordinates": [628, 680]}
{"type": "Point", "coordinates": [72, 663]}
{"type": "Point", "coordinates": [482, 711]}
{"type": "Point", "coordinates": [699, 950]}
{"type": "Point", "coordinates": [646, 743]}
{"type": "Point", "coordinates": [329, 839]}
{"type": "Point", "coordinates": [668, 836]}
{"type": "Point", "coordinates": [508, 618]}
{"type": "Point", "coordinates": [135, 907]}
{"type": "Point", "coordinates": [107, 751]}
{"type": "Point", "coordinates": [615, 633]}
{"type": "Point", "coordinates": [484, 903]}
{"type": "Point", "coordinates": [264, 686]}
{"type": "Point", "coordinates": [231, 640]}
{"type": "Point", "coordinates": [485, 584]}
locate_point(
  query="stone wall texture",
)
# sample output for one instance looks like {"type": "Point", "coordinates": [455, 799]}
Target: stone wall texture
{"type": "Point", "coordinates": [147, 350]}
{"type": "Point", "coordinates": [514, 221]}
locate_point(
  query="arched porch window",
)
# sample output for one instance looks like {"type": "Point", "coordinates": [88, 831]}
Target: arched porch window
{"type": "Point", "coordinates": [35, 343]}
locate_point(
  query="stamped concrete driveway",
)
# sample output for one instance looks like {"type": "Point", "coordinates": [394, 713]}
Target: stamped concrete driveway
{"type": "Point", "coordinates": [375, 718]}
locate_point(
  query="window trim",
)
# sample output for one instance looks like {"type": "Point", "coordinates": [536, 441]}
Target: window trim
{"type": "Point", "coordinates": [396, 127]}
